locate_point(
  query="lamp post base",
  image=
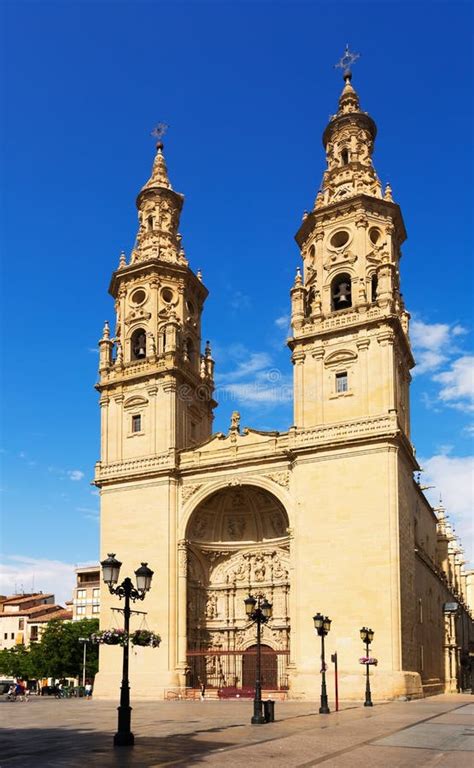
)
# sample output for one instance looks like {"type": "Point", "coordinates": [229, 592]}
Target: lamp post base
{"type": "Point", "coordinates": [124, 736]}
{"type": "Point", "coordinates": [324, 710]}
{"type": "Point", "coordinates": [258, 717]}
{"type": "Point", "coordinates": [125, 739]}
{"type": "Point", "coordinates": [368, 704]}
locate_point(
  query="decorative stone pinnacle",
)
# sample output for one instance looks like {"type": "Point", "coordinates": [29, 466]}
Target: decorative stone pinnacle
{"type": "Point", "coordinates": [298, 278]}
{"type": "Point", "coordinates": [122, 260]}
{"type": "Point", "coordinates": [106, 331]}
{"type": "Point", "coordinates": [388, 193]}
{"type": "Point", "coordinates": [235, 422]}
{"type": "Point", "coordinates": [346, 61]}
{"type": "Point", "coordinates": [199, 275]}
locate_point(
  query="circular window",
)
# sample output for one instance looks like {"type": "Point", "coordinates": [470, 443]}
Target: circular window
{"type": "Point", "coordinates": [167, 295]}
{"type": "Point", "coordinates": [190, 307]}
{"type": "Point", "coordinates": [374, 235]}
{"type": "Point", "coordinates": [339, 239]}
{"type": "Point", "coordinates": [138, 296]}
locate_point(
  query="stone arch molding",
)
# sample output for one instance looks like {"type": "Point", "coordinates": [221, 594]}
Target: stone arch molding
{"type": "Point", "coordinates": [236, 540]}
{"type": "Point", "coordinates": [272, 482]}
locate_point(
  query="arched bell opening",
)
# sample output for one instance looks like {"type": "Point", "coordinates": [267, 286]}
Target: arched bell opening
{"type": "Point", "coordinates": [373, 287]}
{"type": "Point", "coordinates": [237, 544]}
{"type": "Point", "coordinates": [138, 344]}
{"type": "Point", "coordinates": [341, 292]}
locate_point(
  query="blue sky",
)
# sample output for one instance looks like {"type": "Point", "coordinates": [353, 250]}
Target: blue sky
{"type": "Point", "coordinates": [247, 89]}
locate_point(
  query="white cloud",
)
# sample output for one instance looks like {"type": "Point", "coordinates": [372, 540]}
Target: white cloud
{"type": "Point", "coordinates": [261, 392]}
{"type": "Point", "coordinates": [283, 321]}
{"type": "Point", "coordinates": [432, 344]}
{"type": "Point", "coordinates": [19, 573]}
{"type": "Point", "coordinates": [254, 380]}
{"type": "Point", "coordinates": [75, 474]}
{"type": "Point", "coordinates": [457, 383]}
{"type": "Point", "coordinates": [254, 363]}
{"type": "Point", "coordinates": [453, 477]}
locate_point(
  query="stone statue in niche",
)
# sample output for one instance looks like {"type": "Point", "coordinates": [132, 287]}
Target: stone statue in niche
{"type": "Point", "coordinates": [236, 527]}
{"type": "Point", "coordinates": [242, 570]}
{"type": "Point", "coordinates": [259, 568]}
{"type": "Point", "coordinates": [211, 606]}
{"type": "Point", "coordinates": [279, 572]}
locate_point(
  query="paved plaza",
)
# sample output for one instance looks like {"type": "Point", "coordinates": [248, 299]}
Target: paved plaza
{"type": "Point", "coordinates": [438, 731]}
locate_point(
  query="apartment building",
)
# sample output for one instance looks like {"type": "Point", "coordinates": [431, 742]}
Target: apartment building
{"type": "Point", "coordinates": [86, 599]}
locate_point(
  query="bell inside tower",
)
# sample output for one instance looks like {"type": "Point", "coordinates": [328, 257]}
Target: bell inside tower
{"type": "Point", "coordinates": [138, 344]}
{"type": "Point", "coordinates": [341, 293]}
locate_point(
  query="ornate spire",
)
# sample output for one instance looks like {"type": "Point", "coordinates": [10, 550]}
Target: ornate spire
{"type": "Point", "coordinates": [159, 173]}
{"type": "Point", "coordinates": [159, 209]}
{"type": "Point", "coordinates": [349, 143]}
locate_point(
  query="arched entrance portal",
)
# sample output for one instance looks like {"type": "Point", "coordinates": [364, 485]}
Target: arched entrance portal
{"type": "Point", "coordinates": [238, 544]}
{"type": "Point", "coordinates": [268, 667]}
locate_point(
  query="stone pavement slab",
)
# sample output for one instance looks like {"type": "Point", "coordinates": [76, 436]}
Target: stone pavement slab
{"type": "Point", "coordinates": [54, 733]}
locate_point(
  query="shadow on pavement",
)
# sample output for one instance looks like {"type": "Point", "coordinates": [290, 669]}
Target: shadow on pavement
{"type": "Point", "coordinates": [60, 747]}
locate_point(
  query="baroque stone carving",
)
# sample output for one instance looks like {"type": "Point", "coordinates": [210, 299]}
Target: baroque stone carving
{"type": "Point", "coordinates": [188, 490]}
{"type": "Point", "coordinates": [281, 478]}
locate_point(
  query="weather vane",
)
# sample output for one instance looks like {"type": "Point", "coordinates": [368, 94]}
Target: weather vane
{"type": "Point", "coordinates": [159, 131]}
{"type": "Point", "coordinates": [346, 61]}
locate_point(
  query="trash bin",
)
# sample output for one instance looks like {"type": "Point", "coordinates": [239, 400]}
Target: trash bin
{"type": "Point", "coordinates": [269, 710]}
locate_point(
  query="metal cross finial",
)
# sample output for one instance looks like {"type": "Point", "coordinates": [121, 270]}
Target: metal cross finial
{"type": "Point", "coordinates": [346, 61]}
{"type": "Point", "coordinates": [159, 131]}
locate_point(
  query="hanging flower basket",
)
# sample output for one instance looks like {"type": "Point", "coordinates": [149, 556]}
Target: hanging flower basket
{"type": "Point", "coordinates": [145, 638]}
{"type": "Point", "coordinates": [369, 660]}
{"type": "Point", "coordinates": [109, 637]}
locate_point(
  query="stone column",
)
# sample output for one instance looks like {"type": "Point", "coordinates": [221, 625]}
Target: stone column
{"type": "Point", "coordinates": [181, 601]}
{"type": "Point", "coordinates": [152, 392]}
{"type": "Point", "coordinates": [173, 577]}
{"type": "Point", "coordinates": [317, 391]}
{"type": "Point", "coordinates": [298, 376]}
{"type": "Point", "coordinates": [104, 429]}
{"type": "Point", "coordinates": [119, 421]}
{"type": "Point", "coordinates": [362, 346]}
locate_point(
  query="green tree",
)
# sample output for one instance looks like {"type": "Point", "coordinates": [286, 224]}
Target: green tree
{"type": "Point", "coordinates": [16, 662]}
{"type": "Point", "coordinates": [60, 654]}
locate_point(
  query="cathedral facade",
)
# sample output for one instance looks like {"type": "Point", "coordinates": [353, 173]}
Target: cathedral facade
{"type": "Point", "coordinates": [326, 516]}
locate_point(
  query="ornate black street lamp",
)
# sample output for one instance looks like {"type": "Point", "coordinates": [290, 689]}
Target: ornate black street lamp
{"type": "Point", "coordinates": [367, 635]}
{"type": "Point", "coordinates": [110, 573]}
{"type": "Point", "coordinates": [322, 625]}
{"type": "Point", "coordinates": [258, 610]}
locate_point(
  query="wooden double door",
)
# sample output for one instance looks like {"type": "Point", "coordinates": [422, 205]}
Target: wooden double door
{"type": "Point", "coordinates": [269, 667]}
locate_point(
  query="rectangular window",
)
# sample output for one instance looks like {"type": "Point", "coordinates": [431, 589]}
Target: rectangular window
{"type": "Point", "coordinates": [96, 609]}
{"type": "Point", "coordinates": [80, 610]}
{"type": "Point", "coordinates": [5, 636]}
{"type": "Point", "coordinates": [136, 423]}
{"type": "Point", "coordinates": [81, 594]}
{"type": "Point", "coordinates": [21, 624]}
{"type": "Point", "coordinates": [13, 635]}
{"type": "Point", "coordinates": [96, 593]}
{"type": "Point", "coordinates": [341, 382]}
{"type": "Point", "coordinates": [34, 634]}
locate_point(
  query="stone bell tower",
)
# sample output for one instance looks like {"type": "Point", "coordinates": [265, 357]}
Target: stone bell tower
{"type": "Point", "coordinates": [155, 384]}
{"type": "Point", "coordinates": [350, 344]}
